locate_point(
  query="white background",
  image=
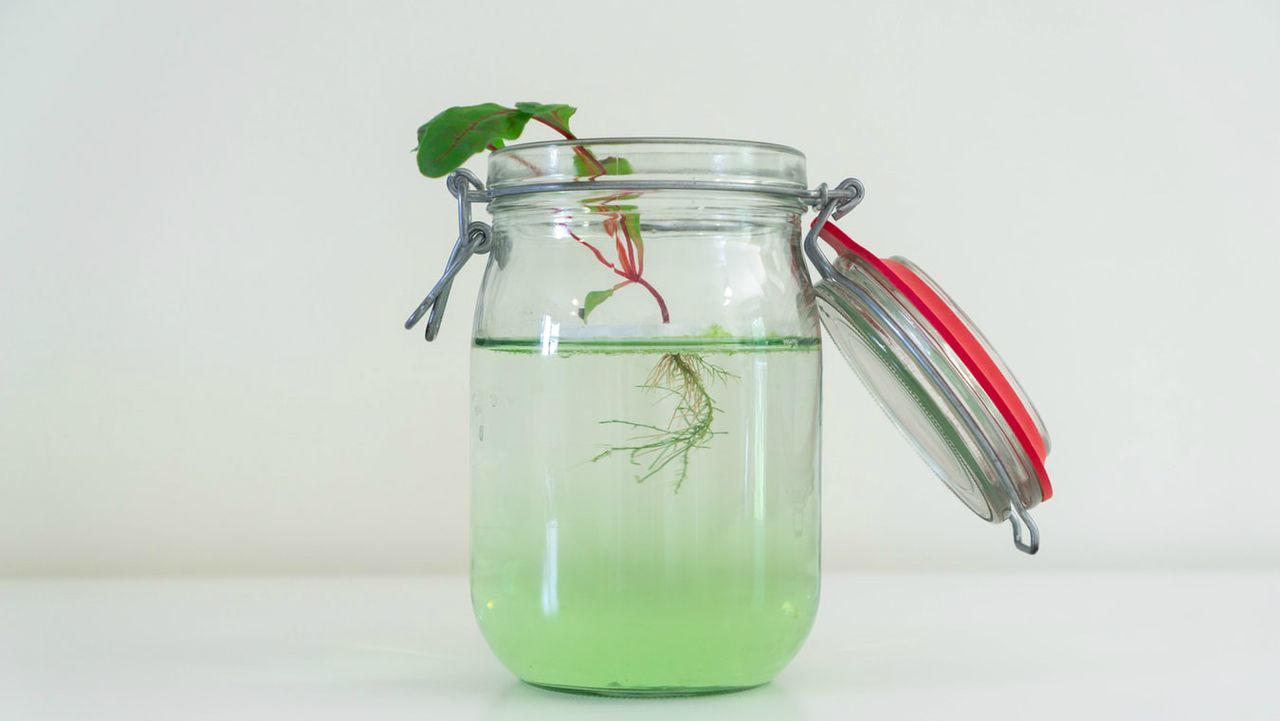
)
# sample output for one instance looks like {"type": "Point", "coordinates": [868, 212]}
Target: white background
{"type": "Point", "coordinates": [211, 227]}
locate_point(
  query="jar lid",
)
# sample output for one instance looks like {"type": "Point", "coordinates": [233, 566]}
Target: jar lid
{"type": "Point", "coordinates": [938, 379]}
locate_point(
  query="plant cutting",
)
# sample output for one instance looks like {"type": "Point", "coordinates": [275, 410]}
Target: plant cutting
{"type": "Point", "coordinates": [456, 134]}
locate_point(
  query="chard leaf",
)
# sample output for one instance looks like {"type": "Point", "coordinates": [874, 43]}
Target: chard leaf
{"type": "Point", "coordinates": [554, 114]}
{"type": "Point", "coordinates": [593, 301]}
{"type": "Point", "coordinates": [447, 140]}
{"type": "Point", "coordinates": [611, 165]}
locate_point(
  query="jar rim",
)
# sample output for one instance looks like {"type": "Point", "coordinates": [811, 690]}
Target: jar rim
{"type": "Point", "coordinates": [651, 140]}
{"type": "Point", "coordinates": [648, 161]}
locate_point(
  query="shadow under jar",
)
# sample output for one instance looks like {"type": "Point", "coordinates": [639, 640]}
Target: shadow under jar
{"type": "Point", "coordinates": [645, 387]}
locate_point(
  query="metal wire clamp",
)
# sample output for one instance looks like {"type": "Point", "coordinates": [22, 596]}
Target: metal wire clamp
{"type": "Point", "coordinates": [475, 237]}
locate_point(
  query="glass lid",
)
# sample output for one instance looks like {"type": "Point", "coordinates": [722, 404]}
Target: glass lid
{"type": "Point", "coordinates": [938, 378]}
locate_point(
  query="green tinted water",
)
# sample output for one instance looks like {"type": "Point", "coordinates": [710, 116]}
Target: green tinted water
{"type": "Point", "coordinates": [584, 578]}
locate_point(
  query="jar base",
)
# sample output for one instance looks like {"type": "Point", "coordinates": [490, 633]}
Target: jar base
{"type": "Point", "coordinates": [644, 692]}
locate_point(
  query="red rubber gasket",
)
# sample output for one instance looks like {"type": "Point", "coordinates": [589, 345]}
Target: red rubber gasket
{"type": "Point", "coordinates": [961, 340]}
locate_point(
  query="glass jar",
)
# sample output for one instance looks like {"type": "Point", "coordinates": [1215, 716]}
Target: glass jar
{"type": "Point", "coordinates": [645, 383]}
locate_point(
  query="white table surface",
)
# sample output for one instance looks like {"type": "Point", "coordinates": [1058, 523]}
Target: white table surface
{"type": "Point", "coordinates": [958, 646]}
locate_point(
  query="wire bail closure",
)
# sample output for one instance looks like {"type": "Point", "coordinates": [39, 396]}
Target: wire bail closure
{"type": "Point", "coordinates": [474, 238]}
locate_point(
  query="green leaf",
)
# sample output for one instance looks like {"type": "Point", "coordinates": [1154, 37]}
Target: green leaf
{"type": "Point", "coordinates": [554, 114]}
{"type": "Point", "coordinates": [593, 301]}
{"type": "Point", "coordinates": [631, 222]}
{"type": "Point", "coordinates": [612, 166]}
{"type": "Point", "coordinates": [447, 140]}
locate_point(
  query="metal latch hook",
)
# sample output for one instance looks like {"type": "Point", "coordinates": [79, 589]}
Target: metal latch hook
{"type": "Point", "coordinates": [474, 238]}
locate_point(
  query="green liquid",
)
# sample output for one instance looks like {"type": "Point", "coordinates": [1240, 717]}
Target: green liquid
{"type": "Point", "coordinates": [585, 579]}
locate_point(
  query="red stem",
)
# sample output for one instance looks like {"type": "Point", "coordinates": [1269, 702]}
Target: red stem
{"type": "Point", "coordinates": [579, 150]}
{"type": "Point", "coordinates": [599, 256]}
{"type": "Point", "coordinates": [563, 131]}
{"type": "Point", "coordinates": [622, 257]}
{"type": "Point", "coordinates": [662, 304]}
{"type": "Point", "coordinates": [631, 245]}
{"type": "Point", "coordinates": [632, 266]}
{"type": "Point", "coordinates": [532, 168]}
{"type": "Point", "coordinates": [588, 157]}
